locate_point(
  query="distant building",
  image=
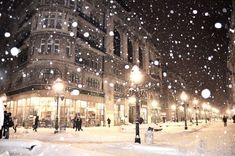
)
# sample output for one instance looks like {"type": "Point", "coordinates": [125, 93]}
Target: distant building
{"type": "Point", "coordinates": [91, 45]}
{"type": "Point", "coordinates": [231, 63]}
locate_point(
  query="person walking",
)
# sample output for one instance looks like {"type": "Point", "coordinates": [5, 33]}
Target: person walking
{"type": "Point", "coordinates": [7, 123]}
{"type": "Point", "coordinates": [78, 123]}
{"type": "Point", "coordinates": [234, 118]}
{"type": "Point", "coordinates": [109, 122]}
{"type": "Point", "coordinates": [225, 120]}
{"type": "Point", "coordinates": [36, 122]}
{"type": "Point", "coordinates": [15, 124]}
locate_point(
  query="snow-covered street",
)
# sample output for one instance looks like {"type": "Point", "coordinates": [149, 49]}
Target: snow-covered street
{"type": "Point", "coordinates": [210, 139]}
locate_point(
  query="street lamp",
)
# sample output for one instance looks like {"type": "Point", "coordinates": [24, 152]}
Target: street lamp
{"type": "Point", "coordinates": [58, 87]}
{"type": "Point", "coordinates": [195, 102]}
{"type": "Point", "coordinates": [136, 77]}
{"type": "Point", "coordinates": [184, 98]}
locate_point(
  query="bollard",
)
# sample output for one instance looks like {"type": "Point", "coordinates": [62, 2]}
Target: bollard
{"type": "Point", "coordinates": [149, 136]}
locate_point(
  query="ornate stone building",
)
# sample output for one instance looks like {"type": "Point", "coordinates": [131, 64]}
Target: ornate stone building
{"type": "Point", "coordinates": [91, 45]}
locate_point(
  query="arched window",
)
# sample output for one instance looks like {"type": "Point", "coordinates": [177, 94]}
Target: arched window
{"type": "Point", "coordinates": [68, 48]}
{"type": "Point", "coordinates": [130, 51]}
{"type": "Point", "coordinates": [117, 43]}
{"type": "Point", "coordinates": [141, 63]}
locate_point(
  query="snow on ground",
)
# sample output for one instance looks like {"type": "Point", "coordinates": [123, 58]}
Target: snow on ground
{"type": "Point", "coordinates": [210, 139]}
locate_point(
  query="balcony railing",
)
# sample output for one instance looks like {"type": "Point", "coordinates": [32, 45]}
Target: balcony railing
{"type": "Point", "coordinates": [91, 20]}
{"type": "Point", "coordinates": [92, 43]}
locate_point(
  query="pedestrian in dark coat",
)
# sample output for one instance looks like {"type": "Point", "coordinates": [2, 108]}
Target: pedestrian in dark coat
{"type": "Point", "coordinates": [7, 123]}
{"type": "Point", "coordinates": [36, 122]}
{"type": "Point", "coordinates": [234, 118]}
{"type": "Point", "coordinates": [225, 120]}
{"type": "Point", "coordinates": [78, 123]}
{"type": "Point", "coordinates": [109, 122]}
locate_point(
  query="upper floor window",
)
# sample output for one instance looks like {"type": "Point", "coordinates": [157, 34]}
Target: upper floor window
{"type": "Point", "coordinates": [130, 51]}
{"type": "Point", "coordinates": [32, 47]}
{"type": "Point", "coordinates": [68, 49]}
{"type": "Point", "coordinates": [49, 73]}
{"type": "Point", "coordinates": [69, 3]}
{"type": "Point", "coordinates": [42, 46]}
{"type": "Point", "coordinates": [141, 59]}
{"type": "Point", "coordinates": [117, 43]}
{"type": "Point", "coordinates": [70, 22]}
{"type": "Point", "coordinates": [52, 20]}
{"type": "Point", "coordinates": [57, 45]}
{"type": "Point", "coordinates": [93, 83]}
{"type": "Point", "coordinates": [49, 46]}
{"type": "Point", "coordinates": [74, 78]}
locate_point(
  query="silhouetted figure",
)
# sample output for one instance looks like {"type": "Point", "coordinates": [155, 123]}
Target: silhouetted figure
{"type": "Point", "coordinates": [78, 123]}
{"type": "Point", "coordinates": [74, 121]}
{"type": "Point", "coordinates": [15, 124]}
{"type": "Point", "coordinates": [225, 120]}
{"type": "Point", "coordinates": [141, 120]}
{"type": "Point", "coordinates": [109, 122]}
{"type": "Point", "coordinates": [7, 123]}
{"type": "Point", "coordinates": [36, 122]}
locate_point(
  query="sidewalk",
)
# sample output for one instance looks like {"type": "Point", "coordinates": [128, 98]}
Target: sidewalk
{"type": "Point", "coordinates": [113, 134]}
{"type": "Point", "coordinates": [104, 141]}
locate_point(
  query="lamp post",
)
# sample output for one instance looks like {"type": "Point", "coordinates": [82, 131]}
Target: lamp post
{"type": "Point", "coordinates": [184, 98]}
{"type": "Point", "coordinates": [58, 87]}
{"type": "Point", "coordinates": [136, 77]}
{"type": "Point", "coordinates": [195, 102]}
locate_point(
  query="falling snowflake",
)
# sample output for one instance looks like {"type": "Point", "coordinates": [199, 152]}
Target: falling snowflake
{"type": "Point", "coordinates": [14, 51]}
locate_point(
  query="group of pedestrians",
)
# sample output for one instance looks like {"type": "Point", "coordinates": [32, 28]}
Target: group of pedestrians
{"type": "Point", "coordinates": [77, 123]}
{"type": "Point", "coordinates": [225, 120]}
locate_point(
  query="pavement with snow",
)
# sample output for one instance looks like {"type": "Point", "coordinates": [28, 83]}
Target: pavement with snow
{"type": "Point", "coordinates": [211, 139]}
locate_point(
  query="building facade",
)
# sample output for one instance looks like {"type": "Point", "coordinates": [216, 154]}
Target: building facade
{"type": "Point", "coordinates": [231, 64]}
{"type": "Point", "coordinates": [91, 45]}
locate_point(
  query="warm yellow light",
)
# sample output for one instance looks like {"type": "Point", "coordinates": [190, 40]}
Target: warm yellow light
{"type": "Point", "coordinates": [154, 104]}
{"type": "Point", "coordinates": [58, 86]}
{"type": "Point", "coordinates": [181, 108]}
{"type": "Point", "coordinates": [136, 75]}
{"type": "Point", "coordinates": [228, 111]}
{"type": "Point", "coordinates": [204, 106]}
{"type": "Point", "coordinates": [132, 100]}
{"type": "Point", "coordinates": [195, 101]}
{"type": "Point", "coordinates": [173, 107]}
{"type": "Point", "coordinates": [208, 106]}
{"type": "Point", "coordinates": [3, 97]}
{"type": "Point", "coordinates": [184, 96]}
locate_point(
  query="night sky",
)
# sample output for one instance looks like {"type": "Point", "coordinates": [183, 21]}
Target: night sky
{"type": "Point", "coordinates": [191, 43]}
